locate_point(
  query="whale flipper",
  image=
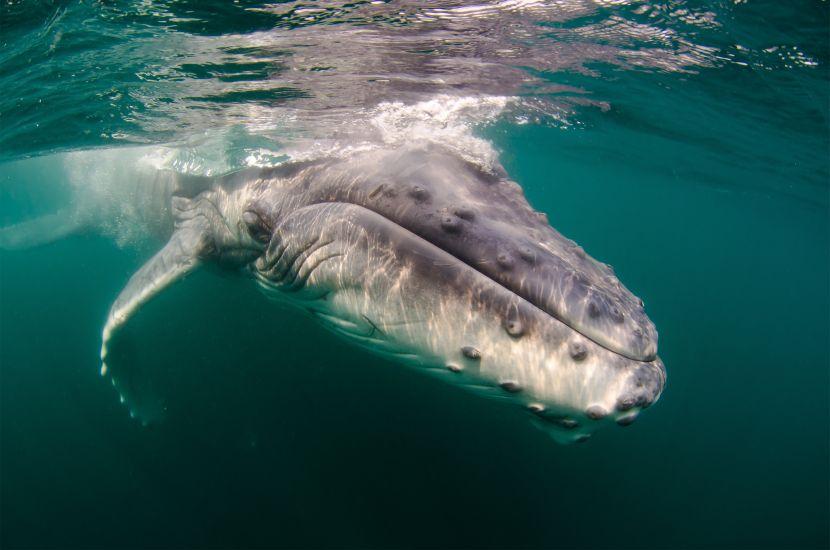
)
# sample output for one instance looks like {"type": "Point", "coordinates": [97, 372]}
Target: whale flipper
{"type": "Point", "coordinates": [181, 255]}
{"type": "Point", "coordinates": [41, 230]}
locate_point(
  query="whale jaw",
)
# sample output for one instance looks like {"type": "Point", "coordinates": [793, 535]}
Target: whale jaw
{"type": "Point", "coordinates": [395, 293]}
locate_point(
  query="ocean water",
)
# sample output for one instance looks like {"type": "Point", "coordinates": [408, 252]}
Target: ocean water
{"type": "Point", "coordinates": [686, 143]}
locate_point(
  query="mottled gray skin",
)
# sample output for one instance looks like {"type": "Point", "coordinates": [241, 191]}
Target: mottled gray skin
{"type": "Point", "coordinates": [423, 256]}
{"type": "Point", "coordinates": [484, 221]}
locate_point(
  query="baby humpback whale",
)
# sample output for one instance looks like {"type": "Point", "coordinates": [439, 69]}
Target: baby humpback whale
{"type": "Point", "coordinates": [417, 254]}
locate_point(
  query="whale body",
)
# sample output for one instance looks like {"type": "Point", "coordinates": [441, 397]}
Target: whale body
{"type": "Point", "coordinates": [412, 251]}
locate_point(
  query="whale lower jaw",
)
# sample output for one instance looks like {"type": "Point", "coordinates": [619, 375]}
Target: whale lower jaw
{"type": "Point", "coordinates": [565, 425]}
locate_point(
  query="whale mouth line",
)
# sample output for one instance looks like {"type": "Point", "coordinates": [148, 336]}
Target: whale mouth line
{"type": "Point", "coordinates": [499, 284]}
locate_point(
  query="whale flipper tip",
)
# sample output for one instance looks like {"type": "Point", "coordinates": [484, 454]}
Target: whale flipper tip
{"type": "Point", "coordinates": [180, 256]}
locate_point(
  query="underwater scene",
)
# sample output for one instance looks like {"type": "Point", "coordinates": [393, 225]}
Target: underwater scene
{"type": "Point", "coordinates": [441, 274]}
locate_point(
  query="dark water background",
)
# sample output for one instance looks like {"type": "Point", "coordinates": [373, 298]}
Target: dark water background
{"type": "Point", "coordinates": [703, 181]}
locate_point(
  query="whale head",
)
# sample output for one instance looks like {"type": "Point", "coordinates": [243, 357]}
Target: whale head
{"type": "Point", "coordinates": [422, 256]}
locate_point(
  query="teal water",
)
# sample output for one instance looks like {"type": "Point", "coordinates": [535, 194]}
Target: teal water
{"type": "Point", "coordinates": [686, 143]}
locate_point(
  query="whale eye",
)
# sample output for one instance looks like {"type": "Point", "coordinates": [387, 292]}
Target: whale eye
{"type": "Point", "coordinates": [257, 228]}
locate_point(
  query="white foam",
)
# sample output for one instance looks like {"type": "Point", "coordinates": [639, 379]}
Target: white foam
{"type": "Point", "coordinates": [444, 119]}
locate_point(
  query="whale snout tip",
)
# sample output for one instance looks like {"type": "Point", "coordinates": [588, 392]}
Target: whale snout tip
{"type": "Point", "coordinates": [618, 400]}
{"type": "Point", "coordinates": [642, 389]}
{"type": "Point", "coordinates": [615, 320]}
{"type": "Point", "coordinates": [639, 388]}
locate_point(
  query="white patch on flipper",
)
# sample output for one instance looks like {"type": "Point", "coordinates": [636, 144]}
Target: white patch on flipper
{"type": "Point", "coordinates": [180, 256]}
{"type": "Point", "coordinates": [131, 380]}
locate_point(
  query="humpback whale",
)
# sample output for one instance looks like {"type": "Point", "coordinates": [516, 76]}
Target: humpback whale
{"type": "Point", "coordinates": [412, 251]}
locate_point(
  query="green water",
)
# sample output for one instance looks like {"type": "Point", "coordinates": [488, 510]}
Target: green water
{"type": "Point", "coordinates": [706, 188]}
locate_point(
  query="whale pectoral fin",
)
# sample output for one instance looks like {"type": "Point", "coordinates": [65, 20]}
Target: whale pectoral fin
{"type": "Point", "coordinates": [183, 253]}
